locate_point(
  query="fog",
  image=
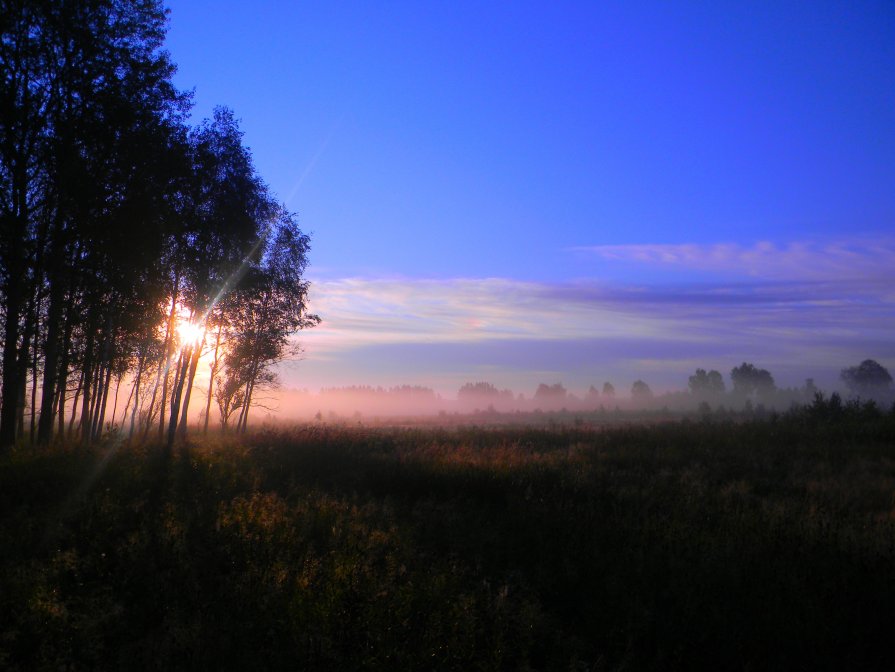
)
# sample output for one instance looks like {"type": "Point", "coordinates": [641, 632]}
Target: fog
{"type": "Point", "coordinates": [482, 399]}
{"type": "Point", "coordinates": [746, 389]}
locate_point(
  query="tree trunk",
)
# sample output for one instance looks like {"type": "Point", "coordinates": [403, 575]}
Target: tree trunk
{"type": "Point", "coordinates": [63, 372]}
{"type": "Point", "coordinates": [127, 407]}
{"type": "Point", "coordinates": [13, 245]}
{"type": "Point", "coordinates": [10, 389]}
{"type": "Point", "coordinates": [169, 356]}
{"type": "Point", "coordinates": [136, 390]}
{"type": "Point", "coordinates": [98, 426]}
{"type": "Point", "coordinates": [32, 434]}
{"type": "Point", "coordinates": [74, 405]}
{"type": "Point", "coordinates": [83, 420]}
{"type": "Point", "coordinates": [247, 402]}
{"type": "Point", "coordinates": [194, 364]}
{"type": "Point", "coordinates": [51, 368]}
{"type": "Point", "coordinates": [177, 395]}
{"type": "Point", "coordinates": [22, 393]}
{"type": "Point", "coordinates": [95, 396]}
{"type": "Point", "coordinates": [211, 375]}
{"type": "Point", "coordinates": [103, 380]}
{"type": "Point", "coordinates": [115, 402]}
{"type": "Point", "coordinates": [59, 407]}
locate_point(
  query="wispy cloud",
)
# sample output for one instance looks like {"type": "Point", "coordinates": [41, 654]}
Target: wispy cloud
{"type": "Point", "coordinates": [797, 319]}
{"type": "Point", "coordinates": [799, 260]}
{"type": "Point", "coordinates": [360, 312]}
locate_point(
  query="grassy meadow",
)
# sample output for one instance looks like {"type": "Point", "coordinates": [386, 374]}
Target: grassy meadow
{"type": "Point", "coordinates": [696, 544]}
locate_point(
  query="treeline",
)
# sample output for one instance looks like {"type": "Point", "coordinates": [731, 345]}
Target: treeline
{"type": "Point", "coordinates": [129, 238]}
{"type": "Point", "coordinates": [751, 388]}
{"type": "Point", "coordinates": [750, 385]}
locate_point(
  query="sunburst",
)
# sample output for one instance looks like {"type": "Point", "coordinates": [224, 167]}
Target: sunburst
{"type": "Point", "coordinates": [189, 332]}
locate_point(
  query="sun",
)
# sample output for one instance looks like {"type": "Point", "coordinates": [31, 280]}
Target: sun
{"type": "Point", "coordinates": [189, 332]}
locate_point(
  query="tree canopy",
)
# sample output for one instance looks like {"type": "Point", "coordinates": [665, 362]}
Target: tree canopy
{"type": "Point", "coordinates": [121, 224]}
{"type": "Point", "coordinates": [640, 391]}
{"type": "Point", "coordinates": [704, 384]}
{"type": "Point", "coordinates": [867, 379]}
{"type": "Point", "coordinates": [748, 381]}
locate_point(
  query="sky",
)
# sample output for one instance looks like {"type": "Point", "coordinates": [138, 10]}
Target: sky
{"type": "Point", "coordinates": [578, 192]}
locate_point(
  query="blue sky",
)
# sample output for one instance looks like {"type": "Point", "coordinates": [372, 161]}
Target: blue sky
{"type": "Point", "coordinates": [570, 191]}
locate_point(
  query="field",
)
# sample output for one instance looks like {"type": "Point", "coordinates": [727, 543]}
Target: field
{"type": "Point", "coordinates": [725, 544]}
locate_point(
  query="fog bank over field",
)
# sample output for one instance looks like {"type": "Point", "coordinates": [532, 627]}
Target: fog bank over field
{"type": "Point", "coordinates": [746, 387]}
{"type": "Point", "coordinates": [368, 402]}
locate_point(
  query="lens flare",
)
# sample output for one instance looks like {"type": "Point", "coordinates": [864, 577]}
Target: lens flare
{"type": "Point", "coordinates": [189, 332]}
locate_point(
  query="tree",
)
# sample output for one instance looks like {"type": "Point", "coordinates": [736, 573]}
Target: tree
{"type": "Point", "coordinates": [86, 111]}
{"type": "Point", "coordinates": [117, 221]}
{"type": "Point", "coordinates": [608, 389]}
{"type": "Point", "coordinates": [702, 384]}
{"type": "Point", "coordinates": [750, 381]}
{"type": "Point", "coordinates": [810, 389]}
{"type": "Point", "coordinates": [267, 309]}
{"type": "Point", "coordinates": [477, 391]}
{"type": "Point", "coordinates": [481, 393]}
{"type": "Point", "coordinates": [227, 210]}
{"type": "Point", "coordinates": [640, 391]}
{"type": "Point", "coordinates": [229, 391]}
{"type": "Point", "coordinates": [553, 392]}
{"type": "Point", "coordinates": [868, 379]}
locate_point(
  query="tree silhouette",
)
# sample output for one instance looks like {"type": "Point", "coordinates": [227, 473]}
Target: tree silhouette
{"type": "Point", "coordinates": [471, 394]}
{"type": "Point", "coordinates": [867, 379]}
{"type": "Point", "coordinates": [749, 381]}
{"type": "Point", "coordinates": [640, 391]}
{"type": "Point", "coordinates": [553, 392]}
{"type": "Point", "coordinates": [269, 306]}
{"type": "Point", "coordinates": [477, 391]}
{"type": "Point", "coordinates": [228, 211]}
{"type": "Point", "coordinates": [706, 384]}
{"type": "Point", "coordinates": [117, 222]}
{"type": "Point", "coordinates": [87, 106]}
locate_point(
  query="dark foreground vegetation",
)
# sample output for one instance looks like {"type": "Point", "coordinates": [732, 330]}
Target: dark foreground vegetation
{"type": "Point", "coordinates": [765, 544]}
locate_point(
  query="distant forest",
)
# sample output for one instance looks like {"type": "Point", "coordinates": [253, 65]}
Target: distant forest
{"type": "Point", "coordinates": [751, 388]}
{"type": "Point", "coordinates": [132, 241]}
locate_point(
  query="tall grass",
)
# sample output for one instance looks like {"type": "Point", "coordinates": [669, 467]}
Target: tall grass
{"type": "Point", "coordinates": [767, 544]}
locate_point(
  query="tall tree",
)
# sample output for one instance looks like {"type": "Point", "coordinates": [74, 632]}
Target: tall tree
{"type": "Point", "coordinates": [269, 307]}
{"type": "Point", "coordinates": [117, 220]}
{"type": "Point", "coordinates": [27, 105]}
{"type": "Point", "coordinates": [87, 102]}
{"type": "Point", "coordinates": [227, 210]}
